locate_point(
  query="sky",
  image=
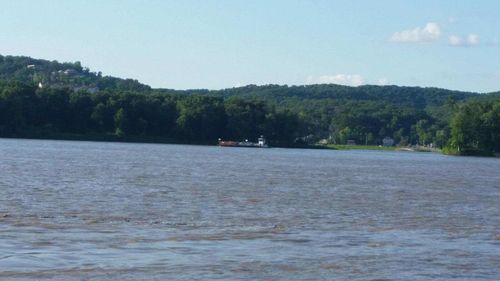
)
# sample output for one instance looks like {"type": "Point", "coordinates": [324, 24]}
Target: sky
{"type": "Point", "coordinates": [212, 44]}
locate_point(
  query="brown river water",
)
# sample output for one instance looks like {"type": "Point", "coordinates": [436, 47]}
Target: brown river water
{"type": "Point", "coordinates": [117, 211]}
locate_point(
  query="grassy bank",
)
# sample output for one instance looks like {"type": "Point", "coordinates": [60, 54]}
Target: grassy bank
{"type": "Point", "coordinates": [364, 147]}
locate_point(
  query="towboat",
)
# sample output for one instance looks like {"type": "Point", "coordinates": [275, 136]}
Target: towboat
{"type": "Point", "coordinates": [261, 142]}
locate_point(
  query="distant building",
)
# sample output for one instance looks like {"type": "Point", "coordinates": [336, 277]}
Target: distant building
{"type": "Point", "coordinates": [40, 85]}
{"type": "Point", "coordinates": [388, 141]}
{"type": "Point", "coordinates": [31, 66]}
{"type": "Point", "coordinates": [323, 142]}
{"type": "Point", "coordinates": [306, 139]}
{"type": "Point", "coordinates": [70, 72]}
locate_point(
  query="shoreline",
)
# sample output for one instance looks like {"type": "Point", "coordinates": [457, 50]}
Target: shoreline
{"type": "Point", "coordinates": [162, 140]}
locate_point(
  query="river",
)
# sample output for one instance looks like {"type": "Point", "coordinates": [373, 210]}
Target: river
{"type": "Point", "coordinates": [74, 210]}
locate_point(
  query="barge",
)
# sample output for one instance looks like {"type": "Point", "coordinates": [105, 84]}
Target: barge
{"type": "Point", "coordinates": [261, 143]}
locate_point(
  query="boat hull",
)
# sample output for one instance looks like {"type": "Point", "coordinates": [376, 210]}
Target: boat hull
{"type": "Point", "coordinates": [241, 144]}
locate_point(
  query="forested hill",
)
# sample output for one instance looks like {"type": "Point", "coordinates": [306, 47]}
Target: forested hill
{"type": "Point", "coordinates": [54, 74]}
{"type": "Point", "coordinates": [407, 96]}
{"type": "Point", "coordinates": [418, 97]}
{"type": "Point", "coordinates": [48, 99]}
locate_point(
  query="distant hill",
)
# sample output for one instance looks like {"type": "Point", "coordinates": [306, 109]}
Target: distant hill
{"type": "Point", "coordinates": [407, 96]}
{"type": "Point", "coordinates": [73, 75]}
{"type": "Point", "coordinates": [54, 74]}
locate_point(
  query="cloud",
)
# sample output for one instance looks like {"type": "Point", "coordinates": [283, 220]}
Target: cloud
{"type": "Point", "coordinates": [341, 79]}
{"type": "Point", "coordinates": [497, 74]}
{"type": "Point", "coordinates": [472, 39]}
{"type": "Point", "coordinates": [452, 20]}
{"type": "Point", "coordinates": [469, 40]}
{"type": "Point", "coordinates": [430, 32]}
{"type": "Point", "coordinates": [455, 40]}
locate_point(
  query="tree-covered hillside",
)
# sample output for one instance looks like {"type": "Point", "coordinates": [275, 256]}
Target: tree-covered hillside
{"type": "Point", "coordinates": [40, 98]}
{"type": "Point", "coordinates": [54, 74]}
{"type": "Point", "coordinates": [406, 96]}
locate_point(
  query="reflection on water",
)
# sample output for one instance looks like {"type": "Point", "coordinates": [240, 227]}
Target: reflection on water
{"type": "Point", "coordinates": [113, 211]}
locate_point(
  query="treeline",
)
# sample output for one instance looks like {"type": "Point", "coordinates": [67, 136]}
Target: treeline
{"type": "Point", "coordinates": [368, 122]}
{"type": "Point", "coordinates": [416, 97]}
{"type": "Point", "coordinates": [29, 111]}
{"type": "Point", "coordinates": [40, 98]}
{"type": "Point", "coordinates": [475, 128]}
{"type": "Point", "coordinates": [26, 110]}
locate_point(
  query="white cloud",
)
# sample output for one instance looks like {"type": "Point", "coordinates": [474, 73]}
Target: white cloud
{"type": "Point", "coordinates": [470, 40]}
{"type": "Point", "coordinates": [497, 74]}
{"type": "Point", "coordinates": [341, 79]}
{"type": "Point", "coordinates": [430, 32]}
{"type": "Point", "coordinates": [455, 40]}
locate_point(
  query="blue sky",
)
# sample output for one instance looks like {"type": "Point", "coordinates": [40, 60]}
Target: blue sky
{"type": "Point", "coordinates": [218, 44]}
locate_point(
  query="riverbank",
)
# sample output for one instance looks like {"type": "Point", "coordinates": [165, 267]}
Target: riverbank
{"type": "Point", "coordinates": [379, 147]}
{"type": "Point", "coordinates": [163, 140]}
{"type": "Point", "coordinates": [360, 147]}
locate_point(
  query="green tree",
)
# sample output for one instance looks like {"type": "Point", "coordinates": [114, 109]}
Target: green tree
{"type": "Point", "coordinates": [475, 128]}
{"type": "Point", "coordinates": [122, 126]}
